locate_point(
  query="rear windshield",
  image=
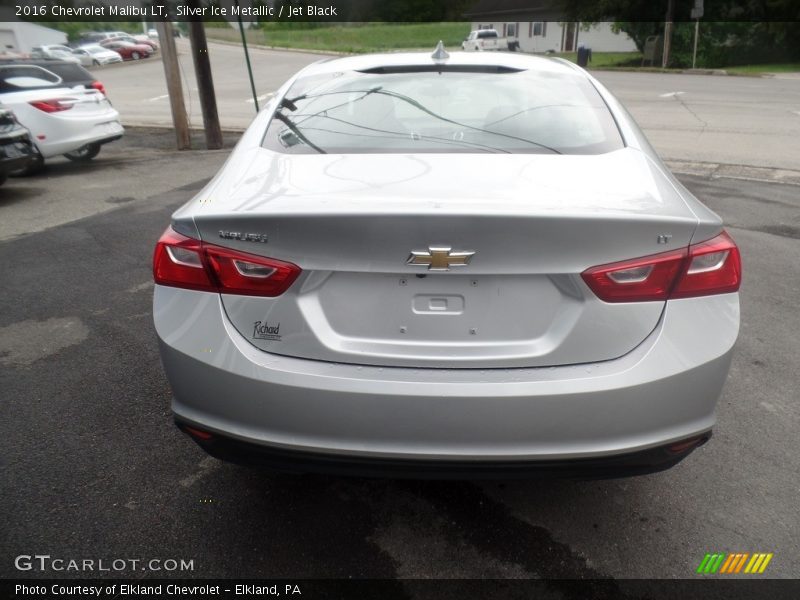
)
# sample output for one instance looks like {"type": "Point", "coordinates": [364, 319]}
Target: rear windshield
{"type": "Point", "coordinates": [69, 72]}
{"type": "Point", "coordinates": [487, 33]}
{"type": "Point", "coordinates": [16, 78]}
{"type": "Point", "coordinates": [443, 111]}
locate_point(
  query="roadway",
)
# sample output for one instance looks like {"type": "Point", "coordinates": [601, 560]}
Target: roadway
{"type": "Point", "coordinates": [739, 120]}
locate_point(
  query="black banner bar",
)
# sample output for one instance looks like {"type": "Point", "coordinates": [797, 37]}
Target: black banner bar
{"type": "Point", "coordinates": [338, 11]}
{"type": "Point", "coordinates": [385, 589]}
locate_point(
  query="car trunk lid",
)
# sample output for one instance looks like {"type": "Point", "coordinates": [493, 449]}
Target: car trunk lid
{"type": "Point", "coordinates": [533, 223]}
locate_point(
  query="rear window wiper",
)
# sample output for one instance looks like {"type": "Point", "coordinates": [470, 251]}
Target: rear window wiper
{"type": "Point", "coordinates": [296, 130]}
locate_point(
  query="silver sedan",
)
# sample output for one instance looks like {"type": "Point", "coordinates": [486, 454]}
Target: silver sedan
{"type": "Point", "coordinates": [450, 265]}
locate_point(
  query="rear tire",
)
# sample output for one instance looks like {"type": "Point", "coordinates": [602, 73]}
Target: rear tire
{"type": "Point", "coordinates": [84, 153]}
{"type": "Point", "coordinates": [37, 166]}
{"type": "Point", "coordinates": [3, 178]}
{"type": "Point", "coordinates": [95, 63]}
{"type": "Point", "coordinates": [135, 55]}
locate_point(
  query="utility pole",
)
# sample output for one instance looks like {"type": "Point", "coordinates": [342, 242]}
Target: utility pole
{"type": "Point", "coordinates": [169, 56]}
{"type": "Point", "coordinates": [668, 33]}
{"type": "Point", "coordinates": [205, 84]}
{"type": "Point", "coordinates": [697, 13]}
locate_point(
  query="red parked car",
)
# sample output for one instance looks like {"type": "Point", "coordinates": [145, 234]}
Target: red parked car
{"type": "Point", "coordinates": [127, 50]}
{"type": "Point", "coordinates": [129, 38]}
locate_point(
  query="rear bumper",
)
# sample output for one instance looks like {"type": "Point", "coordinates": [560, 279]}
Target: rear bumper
{"type": "Point", "coordinates": [68, 134]}
{"type": "Point", "coordinates": [618, 413]}
{"type": "Point", "coordinates": [630, 464]}
{"type": "Point", "coordinates": [16, 152]}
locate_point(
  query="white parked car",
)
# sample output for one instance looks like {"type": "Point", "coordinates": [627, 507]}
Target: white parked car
{"type": "Point", "coordinates": [55, 51]}
{"type": "Point", "coordinates": [95, 54]}
{"type": "Point", "coordinates": [74, 122]}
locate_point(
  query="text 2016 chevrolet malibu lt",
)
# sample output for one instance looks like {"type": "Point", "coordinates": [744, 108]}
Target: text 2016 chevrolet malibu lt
{"type": "Point", "coordinates": [464, 265]}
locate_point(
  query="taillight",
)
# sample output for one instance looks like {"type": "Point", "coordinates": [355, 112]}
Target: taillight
{"type": "Point", "coordinates": [184, 262]}
{"type": "Point", "coordinates": [711, 267]}
{"type": "Point", "coordinates": [99, 87]}
{"type": "Point", "coordinates": [54, 105]}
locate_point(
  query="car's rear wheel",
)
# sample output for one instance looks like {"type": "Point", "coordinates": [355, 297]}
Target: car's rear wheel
{"type": "Point", "coordinates": [95, 63]}
{"type": "Point", "coordinates": [135, 55]}
{"type": "Point", "coordinates": [84, 153]}
{"type": "Point", "coordinates": [3, 178]}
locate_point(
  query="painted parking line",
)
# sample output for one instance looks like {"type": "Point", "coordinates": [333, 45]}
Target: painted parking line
{"type": "Point", "coordinates": [158, 98]}
{"type": "Point", "coordinates": [671, 94]}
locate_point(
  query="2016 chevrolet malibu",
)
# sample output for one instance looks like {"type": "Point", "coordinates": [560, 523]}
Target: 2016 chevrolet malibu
{"type": "Point", "coordinates": [468, 265]}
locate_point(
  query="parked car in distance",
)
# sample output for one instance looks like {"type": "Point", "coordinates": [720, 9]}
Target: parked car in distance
{"type": "Point", "coordinates": [57, 52]}
{"type": "Point", "coordinates": [461, 265]}
{"type": "Point", "coordinates": [132, 40]}
{"type": "Point", "coordinates": [73, 121]}
{"type": "Point", "coordinates": [127, 50]}
{"type": "Point", "coordinates": [96, 55]}
{"type": "Point", "coordinates": [152, 33]}
{"type": "Point", "coordinates": [480, 40]}
{"type": "Point", "coordinates": [17, 150]}
{"type": "Point", "coordinates": [71, 74]}
{"type": "Point", "coordinates": [92, 37]}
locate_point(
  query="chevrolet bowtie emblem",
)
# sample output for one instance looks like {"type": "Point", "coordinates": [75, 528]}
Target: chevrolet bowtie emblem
{"type": "Point", "coordinates": [439, 258]}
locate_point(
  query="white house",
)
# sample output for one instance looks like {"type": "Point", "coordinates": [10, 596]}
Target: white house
{"type": "Point", "coordinates": [540, 28]}
{"type": "Point", "coordinates": [21, 36]}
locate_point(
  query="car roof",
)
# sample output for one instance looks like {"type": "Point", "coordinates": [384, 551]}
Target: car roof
{"type": "Point", "coordinates": [508, 60]}
{"type": "Point", "coordinates": [68, 71]}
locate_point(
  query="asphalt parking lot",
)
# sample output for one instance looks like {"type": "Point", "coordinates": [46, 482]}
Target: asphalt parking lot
{"type": "Point", "coordinates": [94, 468]}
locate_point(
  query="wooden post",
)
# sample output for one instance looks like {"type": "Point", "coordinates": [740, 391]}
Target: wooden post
{"type": "Point", "coordinates": [205, 84]}
{"type": "Point", "coordinates": [169, 56]}
{"type": "Point", "coordinates": [668, 33]}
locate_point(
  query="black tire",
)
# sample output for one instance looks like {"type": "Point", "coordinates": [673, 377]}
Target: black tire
{"type": "Point", "coordinates": [135, 55]}
{"type": "Point", "coordinates": [95, 63]}
{"type": "Point", "coordinates": [84, 153]}
{"type": "Point", "coordinates": [36, 166]}
{"type": "Point", "coordinates": [3, 178]}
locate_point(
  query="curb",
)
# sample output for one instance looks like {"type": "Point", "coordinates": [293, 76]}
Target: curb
{"type": "Point", "coordinates": [709, 170]}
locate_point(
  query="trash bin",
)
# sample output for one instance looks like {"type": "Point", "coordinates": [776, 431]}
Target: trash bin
{"type": "Point", "coordinates": [584, 56]}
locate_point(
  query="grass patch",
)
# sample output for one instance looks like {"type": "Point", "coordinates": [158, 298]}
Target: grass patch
{"type": "Point", "coordinates": [607, 59]}
{"type": "Point", "coordinates": [357, 38]}
{"type": "Point", "coordinates": [769, 68]}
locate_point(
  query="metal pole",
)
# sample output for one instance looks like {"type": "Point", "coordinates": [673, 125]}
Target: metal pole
{"type": "Point", "coordinates": [696, 35]}
{"type": "Point", "coordinates": [169, 56]}
{"type": "Point", "coordinates": [247, 56]}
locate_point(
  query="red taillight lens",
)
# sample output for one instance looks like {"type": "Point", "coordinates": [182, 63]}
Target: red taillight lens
{"type": "Point", "coordinates": [714, 267]}
{"type": "Point", "coordinates": [99, 87]}
{"type": "Point", "coordinates": [178, 262]}
{"type": "Point", "coordinates": [54, 105]}
{"type": "Point", "coordinates": [637, 280]}
{"type": "Point", "coordinates": [183, 262]}
{"type": "Point", "coordinates": [711, 267]}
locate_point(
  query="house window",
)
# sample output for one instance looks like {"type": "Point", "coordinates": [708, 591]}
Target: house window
{"type": "Point", "coordinates": [511, 30]}
{"type": "Point", "coordinates": [539, 28]}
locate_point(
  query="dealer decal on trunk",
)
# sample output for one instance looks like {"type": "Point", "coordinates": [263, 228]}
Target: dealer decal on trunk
{"type": "Point", "coordinates": [265, 331]}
